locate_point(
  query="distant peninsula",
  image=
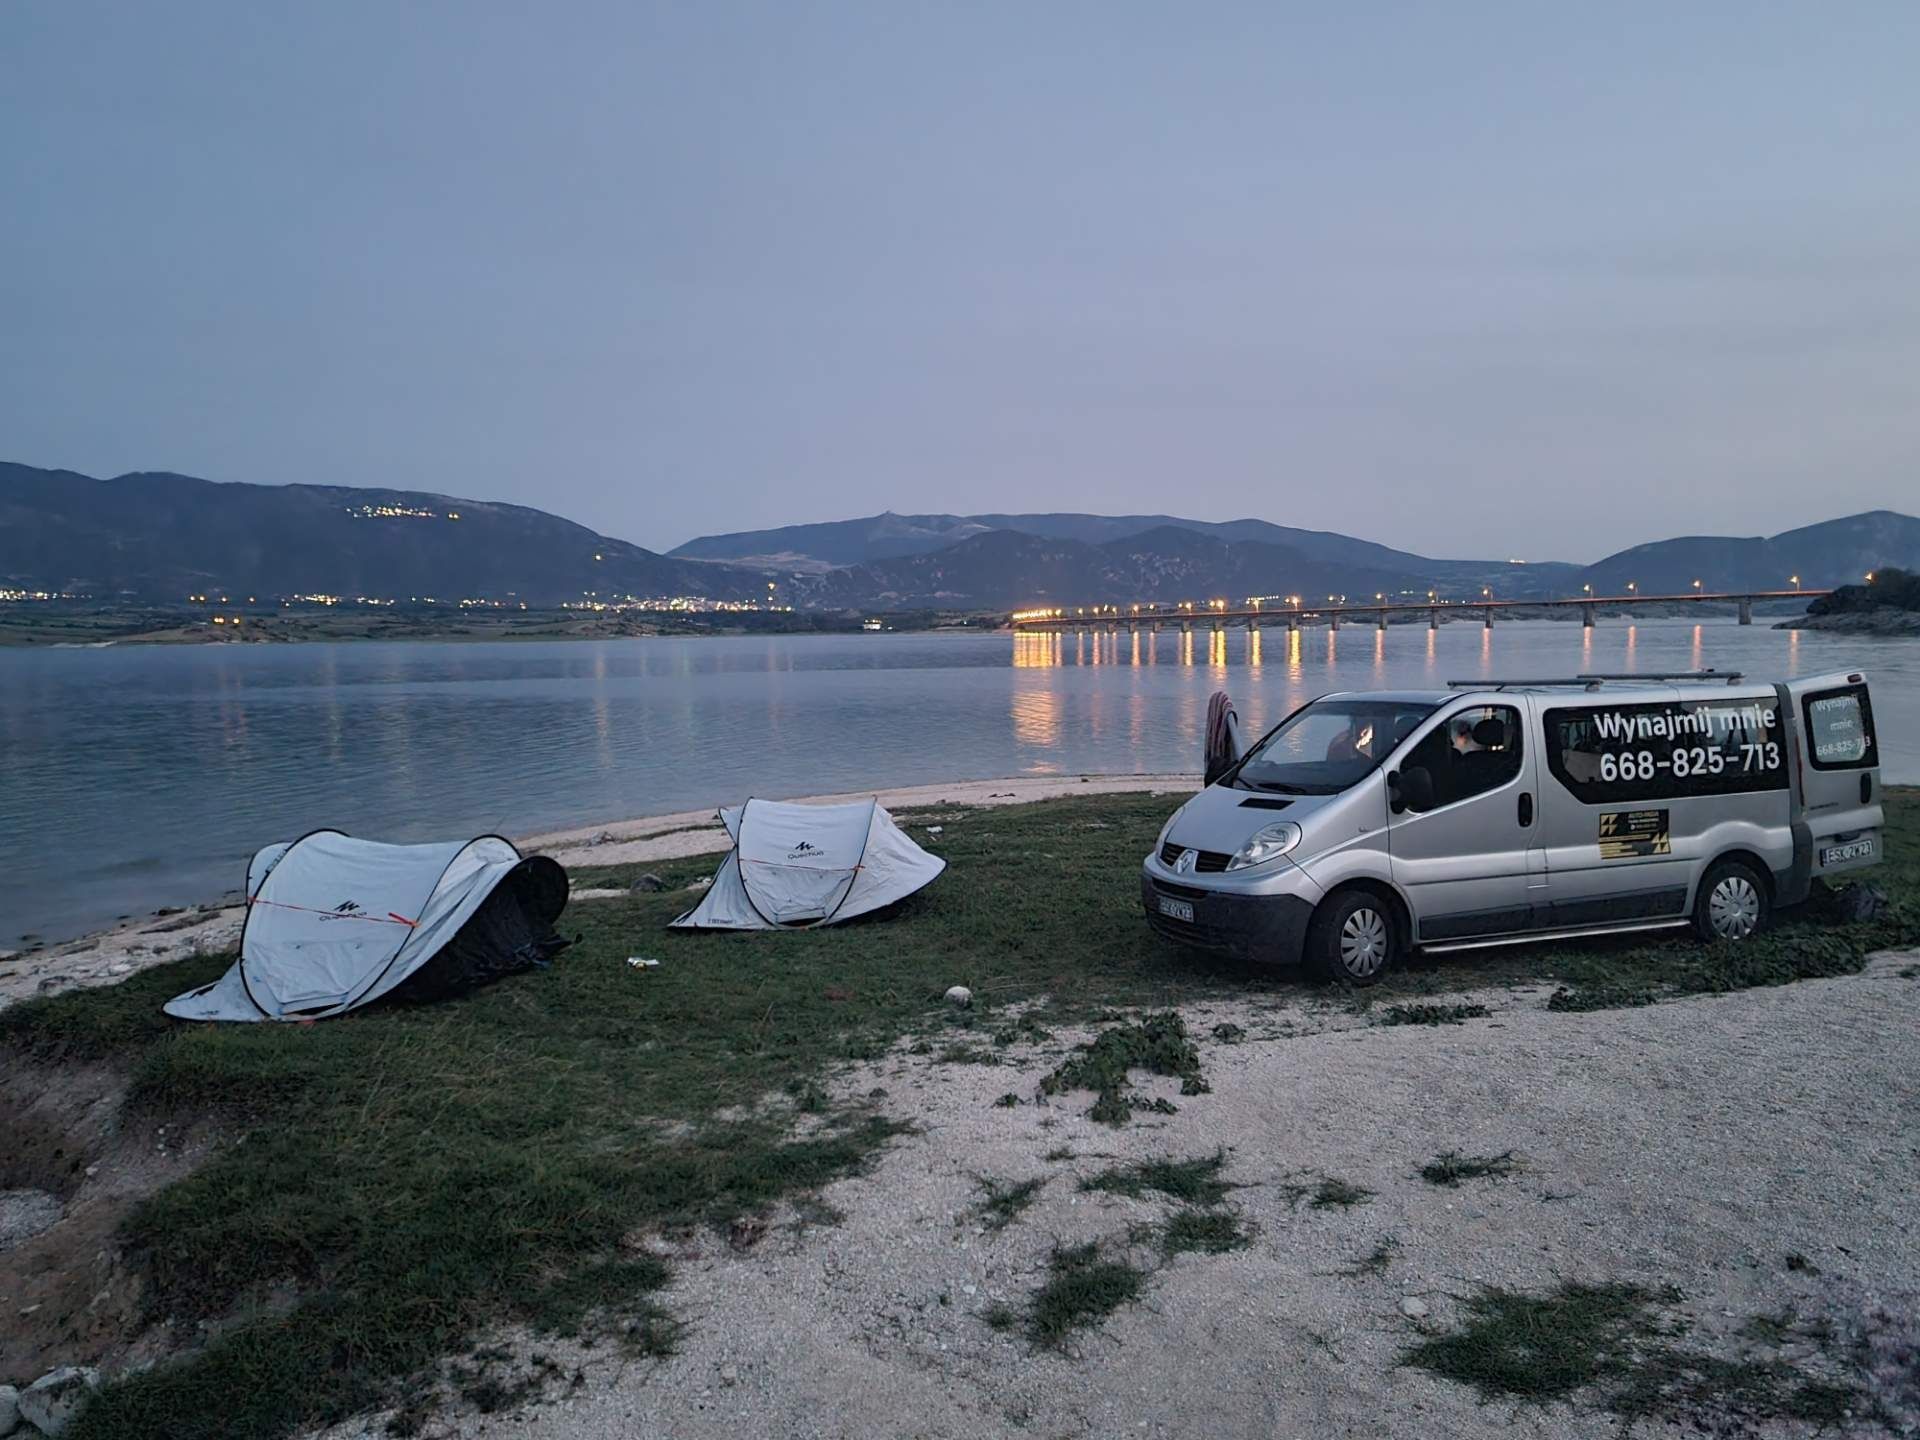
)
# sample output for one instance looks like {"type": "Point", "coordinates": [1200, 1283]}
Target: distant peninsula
{"type": "Point", "coordinates": [1887, 602]}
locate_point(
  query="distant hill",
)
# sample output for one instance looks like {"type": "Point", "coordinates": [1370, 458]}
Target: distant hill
{"type": "Point", "coordinates": [1832, 553]}
{"type": "Point", "coordinates": [884, 537]}
{"type": "Point", "coordinates": [1005, 569]}
{"type": "Point", "coordinates": [162, 536]}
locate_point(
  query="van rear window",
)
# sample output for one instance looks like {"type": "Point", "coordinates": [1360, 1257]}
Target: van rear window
{"type": "Point", "coordinates": [1840, 729]}
{"type": "Point", "coordinates": [1613, 754]}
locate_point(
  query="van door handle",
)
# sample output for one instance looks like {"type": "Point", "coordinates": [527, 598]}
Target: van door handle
{"type": "Point", "coordinates": [1526, 809]}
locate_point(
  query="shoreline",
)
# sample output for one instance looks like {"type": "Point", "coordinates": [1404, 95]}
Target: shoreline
{"type": "Point", "coordinates": [106, 957]}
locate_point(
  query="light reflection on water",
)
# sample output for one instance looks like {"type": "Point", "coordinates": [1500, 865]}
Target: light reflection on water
{"type": "Point", "coordinates": [138, 776]}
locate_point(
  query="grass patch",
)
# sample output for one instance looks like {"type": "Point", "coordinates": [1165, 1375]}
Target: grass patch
{"type": "Point", "coordinates": [1205, 1232]}
{"type": "Point", "coordinates": [1431, 1014]}
{"type": "Point", "coordinates": [1450, 1167]}
{"type": "Point", "coordinates": [1082, 1289]}
{"type": "Point", "coordinates": [1544, 1347]}
{"type": "Point", "coordinates": [1158, 1045]}
{"type": "Point", "coordinates": [1192, 1182]}
{"type": "Point", "coordinates": [1327, 1193]}
{"type": "Point", "coordinates": [1002, 1203]}
{"type": "Point", "coordinates": [1617, 1343]}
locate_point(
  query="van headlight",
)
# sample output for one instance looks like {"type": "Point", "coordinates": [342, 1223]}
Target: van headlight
{"type": "Point", "coordinates": [1166, 830]}
{"type": "Point", "coordinates": [1267, 844]}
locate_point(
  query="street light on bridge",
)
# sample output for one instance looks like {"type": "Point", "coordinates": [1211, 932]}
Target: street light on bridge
{"type": "Point", "coordinates": [1633, 587]}
{"type": "Point", "coordinates": [1696, 584]}
{"type": "Point", "coordinates": [1794, 580]}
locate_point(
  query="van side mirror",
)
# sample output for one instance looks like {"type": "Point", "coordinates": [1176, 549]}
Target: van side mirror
{"type": "Point", "coordinates": [1415, 791]}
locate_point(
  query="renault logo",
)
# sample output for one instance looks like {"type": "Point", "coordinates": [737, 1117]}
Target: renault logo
{"type": "Point", "coordinates": [1184, 865]}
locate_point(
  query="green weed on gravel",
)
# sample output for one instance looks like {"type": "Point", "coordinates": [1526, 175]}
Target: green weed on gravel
{"type": "Point", "coordinates": [1431, 1014]}
{"type": "Point", "coordinates": [1082, 1289]}
{"type": "Point", "coordinates": [1450, 1167]}
{"type": "Point", "coordinates": [1326, 1193]}
{"type": "Point", "coordinates": [1158, 1045]}
{"type": "Point", "coordinates": [1192, 1182]}
{"type": "Point", "coordinates": [1206, 1232]}
{"type": "Point", "coordinates": [1002, 1202]}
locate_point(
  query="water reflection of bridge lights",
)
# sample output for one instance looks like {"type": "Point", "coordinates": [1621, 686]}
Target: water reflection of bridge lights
{"type": "Point", "coordinates": [1036, 717]}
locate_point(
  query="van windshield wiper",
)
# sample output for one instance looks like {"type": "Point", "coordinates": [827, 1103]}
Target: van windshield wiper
{"type": "Point", "coordinates": [1279, 787]}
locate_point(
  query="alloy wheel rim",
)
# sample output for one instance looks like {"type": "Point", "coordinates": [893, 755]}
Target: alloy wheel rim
{"type": "Point", "coordinates": [1734, 910]}
{"type": "Point", "coordinates": [1363, 942]}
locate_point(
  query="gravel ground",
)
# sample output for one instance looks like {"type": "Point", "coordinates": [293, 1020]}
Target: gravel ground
{"type": "Point", "coordinates": [1694, 1143]}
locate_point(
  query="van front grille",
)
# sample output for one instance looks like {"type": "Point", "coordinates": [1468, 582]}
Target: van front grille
{"type": "Point", "coordinates": [1206, 862]}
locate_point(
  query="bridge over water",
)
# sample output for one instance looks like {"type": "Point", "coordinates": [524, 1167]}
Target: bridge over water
{"type": "Point", "coordinates": [1293, 613]}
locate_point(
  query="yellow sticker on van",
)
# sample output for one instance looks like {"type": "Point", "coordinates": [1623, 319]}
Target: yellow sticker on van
{"type": "Point", "coordinates": [1627, 833]}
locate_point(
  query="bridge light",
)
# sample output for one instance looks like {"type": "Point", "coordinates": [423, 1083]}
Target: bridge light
{"type": "Point", "coordinates": [1696, 584]}
{"type": "Point", "coordinates": [1379, 595]}
{"type": "Point", "coordinates": [1794, 580]}
{"type": "Point", "coordinates": [1587, 588]}
{"type": "Point", "coordinates": [1869, 577]}
{"type": "Point", "coordinates": [1633, 587]}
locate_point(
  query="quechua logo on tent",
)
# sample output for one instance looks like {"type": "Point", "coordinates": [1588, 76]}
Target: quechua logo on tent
{"type": "Point", "coordinates": [805, 850]}
{"type": "Point", "coordinates": [345, 910]}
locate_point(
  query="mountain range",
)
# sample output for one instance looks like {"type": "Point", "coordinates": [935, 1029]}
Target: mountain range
{"type": "Point", "coordinates": [157, 536]}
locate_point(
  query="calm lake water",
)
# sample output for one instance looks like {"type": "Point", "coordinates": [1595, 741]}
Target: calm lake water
{"type": "Point", "coordinates": [140, 776]}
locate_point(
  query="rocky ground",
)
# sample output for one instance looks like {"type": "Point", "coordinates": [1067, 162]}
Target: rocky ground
{"type": "Point", "coordinates": [1756, 1151]}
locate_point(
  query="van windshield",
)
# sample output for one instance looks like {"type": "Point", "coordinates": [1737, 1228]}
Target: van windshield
{"type": "Point", "coordinates": [1328, 745]}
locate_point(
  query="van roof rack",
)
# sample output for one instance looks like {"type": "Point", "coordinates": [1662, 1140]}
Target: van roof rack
{"type": "Point", "coordinates": [1595, 681]}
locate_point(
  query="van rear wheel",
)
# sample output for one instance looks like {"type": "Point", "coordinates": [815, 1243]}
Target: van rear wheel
{"type": "Point", "coordinates": [1354, 938]}
{"type": "Point", "coordinates": [1732, 903]}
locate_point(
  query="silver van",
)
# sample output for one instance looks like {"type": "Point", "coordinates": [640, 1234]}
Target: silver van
{"type": "Point", "coordinates": [1369, 824]}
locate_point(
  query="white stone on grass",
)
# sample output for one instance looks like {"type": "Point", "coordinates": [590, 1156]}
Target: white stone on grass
{"type": "Point", "coordinates": [51, 1402]}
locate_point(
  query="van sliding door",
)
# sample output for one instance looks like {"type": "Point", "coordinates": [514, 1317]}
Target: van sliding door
{"type": "Point", "coordinates": [1640, 792]}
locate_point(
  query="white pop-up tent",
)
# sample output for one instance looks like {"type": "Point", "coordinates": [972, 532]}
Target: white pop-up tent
{"type": "Point", "coordinates": [334, 923]}
{"type": "Point", "coordinates": [800, 865]}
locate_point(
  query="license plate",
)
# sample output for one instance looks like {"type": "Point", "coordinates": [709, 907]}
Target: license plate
{"type": "Point", "coordinates": [1833, 854]}
{"type": "Point", "coordinates": [1177, 909]}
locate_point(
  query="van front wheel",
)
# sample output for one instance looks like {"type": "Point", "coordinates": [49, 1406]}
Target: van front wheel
{"type": "Point", "coordinates": [1353, 938]}
{"type": "Point", "coordinates": [1732, 903]}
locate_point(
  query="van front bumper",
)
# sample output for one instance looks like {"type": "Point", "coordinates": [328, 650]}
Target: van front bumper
{"type": "Point", "coordinates": [1268, 928]}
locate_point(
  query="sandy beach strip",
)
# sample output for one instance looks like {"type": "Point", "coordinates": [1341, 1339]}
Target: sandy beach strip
{"type": "Point", "coordinates": [110, 956]}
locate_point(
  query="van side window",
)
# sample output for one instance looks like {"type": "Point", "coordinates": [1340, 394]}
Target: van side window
{"type": "Point", "coordinates": [1473, 751]}
{"type": "Point", "coordinates": [1840, 729]}
{"type": "Point", "coordinates": [1623, 754]}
